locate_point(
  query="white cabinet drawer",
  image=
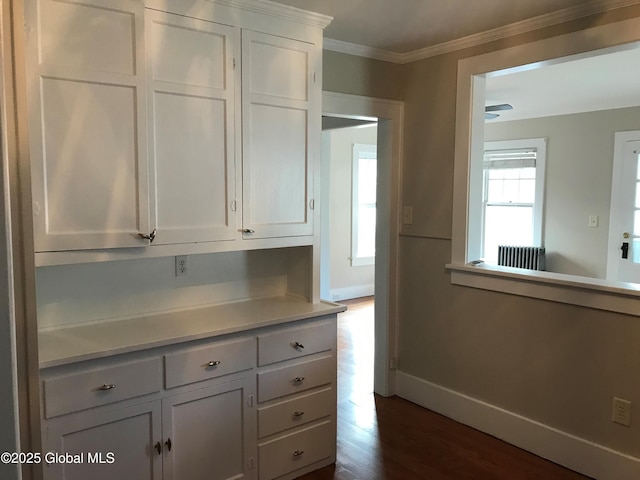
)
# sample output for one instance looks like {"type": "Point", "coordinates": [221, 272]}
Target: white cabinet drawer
{"type": "Point", "coordinates": [296, 451]}
{"type": "Point", "coordinates": [296, 342]}
{"type": "Point", "coordinates": [100, 387]}
{"type": "Point", "coordinates": [295, 378]}
{"type": "Point", "coordinates": [293, 413]}
{"type": "Point", "coordinates": [197, 364]}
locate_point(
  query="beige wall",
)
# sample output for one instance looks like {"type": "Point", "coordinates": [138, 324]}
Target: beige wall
{"type": "Point", "coordinates": [556, 364]}
{"type": "Point", "coordinates": [361, 76]}
{"type": "Point", "coordinates": [578, 183]}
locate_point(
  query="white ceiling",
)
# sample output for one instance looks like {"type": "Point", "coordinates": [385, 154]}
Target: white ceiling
{"type": "Point", "coordinates": [600, 82]}
{"type": "Point", "coordinates": [404, 26]}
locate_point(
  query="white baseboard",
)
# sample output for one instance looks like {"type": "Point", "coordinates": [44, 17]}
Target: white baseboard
{"type": "Point", "coordinates": [576, 453]}
{"type": "Point", "coordinates": [348, 293]}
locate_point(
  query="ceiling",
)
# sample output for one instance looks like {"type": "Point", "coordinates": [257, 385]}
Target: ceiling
{"type": "Point", "coordinates": [404, 26]}
{"type": "Point", "coordinates": [600, 82]}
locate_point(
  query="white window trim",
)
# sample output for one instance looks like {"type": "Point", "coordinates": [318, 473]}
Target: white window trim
{"type": "Point", "coordinates": [358, 148]}
{"type": "Point", "coordinates": [540, 144]}
{"type": "Point", "coordinates": [588, 292]}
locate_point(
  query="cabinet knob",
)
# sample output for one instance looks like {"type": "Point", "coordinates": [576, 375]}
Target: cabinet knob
{"type": "Point", "coordinates": [297, 453]}
{"type": "Point", "coordinates": [298, 414]}
{"type": "Point", "coordinates": [298, 380]}
{"type": "Point", "coordinates": [213, 363]}
{"type": "Point", "coordinates": [298, 345]}
{"type": "Point", "coordinates": [158, 447]}
{"type": "Point", "coordinates": [107, 387]}
{"type": "Point", "coordinates": [168, 444]}
{"type": "Point", "coordinates": [248, 230]}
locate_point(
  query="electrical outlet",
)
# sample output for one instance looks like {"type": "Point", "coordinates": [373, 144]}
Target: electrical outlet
{"type": "Point", "coordinates": [181, 265]}
{"type": "Point", "coordinates": [621, 411]}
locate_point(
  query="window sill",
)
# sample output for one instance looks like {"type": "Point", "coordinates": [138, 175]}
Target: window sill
{"type": "Point", "coordinates": [556, 287]}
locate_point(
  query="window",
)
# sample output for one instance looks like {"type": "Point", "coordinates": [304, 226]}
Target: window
{"type": "Point", "coordinates": [363, 213]}
{"type": "Point", "coordinates": [512, 198]}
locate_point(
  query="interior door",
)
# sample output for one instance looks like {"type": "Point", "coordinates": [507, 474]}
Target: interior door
{"type": "Point", "coordinates": [623, 263]}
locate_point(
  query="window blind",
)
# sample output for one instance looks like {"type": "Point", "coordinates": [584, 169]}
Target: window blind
{"type": "Point", "coordinates": [517, 158]}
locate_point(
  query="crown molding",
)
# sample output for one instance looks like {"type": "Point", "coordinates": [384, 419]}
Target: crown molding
{"type": "Point", "coordinates": [280, 10]}
{"type": "Point", "coordinates": [362, 50]}
{"type": "Point", "coordinates": [590, 7]}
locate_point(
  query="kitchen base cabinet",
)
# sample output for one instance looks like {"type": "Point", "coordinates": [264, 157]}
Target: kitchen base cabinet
{"type": "Point", "coordinates": [104, 444]}
{"type": "Point", "coordinates": [206, 432]}
{"type": "Point", "coordinates": [256, 404]}
{"type": "Point", "coordinates": [196, 435]}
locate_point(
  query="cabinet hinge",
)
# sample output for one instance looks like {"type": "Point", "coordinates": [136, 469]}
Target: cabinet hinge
{"type": "Point", "coordinates": [234, 63]}
{"type": "Point", "coordinates": [251, 467]}
{"type": "Point", "coordinates": [234, 205]}
{"type": "Point", "coordinates": [250, 401]}
{"type": "Point", "coordinates": [312, 204]}
{"type": "Point", "coordinates": [314, 77]}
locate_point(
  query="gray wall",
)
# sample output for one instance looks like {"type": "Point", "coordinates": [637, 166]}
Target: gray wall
{"type": "Point", "coordinates": [557, 364]}
{"type": "Point", "coordinates": [578, 183]}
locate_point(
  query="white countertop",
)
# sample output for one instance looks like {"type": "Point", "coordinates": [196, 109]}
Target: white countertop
{"type": "Point", "coordinates": [86, 342]}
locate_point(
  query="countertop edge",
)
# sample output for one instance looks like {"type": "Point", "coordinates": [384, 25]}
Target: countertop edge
{"type": "Point", "coordinates": [328, 308]}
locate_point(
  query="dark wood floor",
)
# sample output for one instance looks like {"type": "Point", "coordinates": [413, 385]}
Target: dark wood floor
{"type": "Point", "coordinates": [392, 439]}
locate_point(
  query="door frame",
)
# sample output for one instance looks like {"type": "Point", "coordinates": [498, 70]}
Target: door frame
{"type": "Point", "coordinates": [390, 114]}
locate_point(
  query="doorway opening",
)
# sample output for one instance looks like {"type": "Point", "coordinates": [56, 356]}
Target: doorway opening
{"type": "Point", "coordinates": [349, 159]}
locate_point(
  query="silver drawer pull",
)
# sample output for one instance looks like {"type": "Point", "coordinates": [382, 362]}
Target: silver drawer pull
{"type": "Point", "coordinates": [298, 345]}
{"type": "Point", "coordinates": [213, 363]}
{"type": "Point", "coordinates": [107, 387]}
{"type": "Point", "coordinates": [298, 414]}
{"type": "Point", "coordinates": [298, 380]}
{"type": "Point", "coordinates": [297, 453]}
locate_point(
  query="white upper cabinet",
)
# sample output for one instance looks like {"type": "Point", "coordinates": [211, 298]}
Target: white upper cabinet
{"type": "Point", "coordinates": [191, 115]}
{"type": "Point", "coordinates": [86, 94]}
{"type": "Point", "coordinates": [183, 122]}
{"type": "Point", "coordinates": [279, 108]}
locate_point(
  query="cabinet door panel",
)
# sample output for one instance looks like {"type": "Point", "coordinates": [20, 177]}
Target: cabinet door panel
{"type": "Point", "coordinates": [98, 196]}
{"type": "Point", "coordinates": [278, 135]}
{"type": "Point", "coordinates": [190, 164]}
{"type": "Point", "coordinates": [94, 36]}
{"type": "Point", "coordinates": [209, 432]}
{"type": "Point", "coordinates": [278, 169]}
{"type": "Point", "coordinates": [190, 69]}
{"type": "Point", "coordinates": [129, 433]}
{"type": "Point", "coordinates": [188, 52]}
{"type": "Point", "coordinates": [279, 68]}
{"type": "Point", "coordinates": [87, 130]}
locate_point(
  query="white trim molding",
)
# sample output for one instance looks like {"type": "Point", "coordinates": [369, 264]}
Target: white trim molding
{"type": "Point", "coordinates": [573, 452]}
{"type": "Point", "coordinates": [585, 9]}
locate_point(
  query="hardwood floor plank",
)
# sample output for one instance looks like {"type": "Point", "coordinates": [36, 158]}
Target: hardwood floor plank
{"type": "Point", "coordinates": [393, 439]}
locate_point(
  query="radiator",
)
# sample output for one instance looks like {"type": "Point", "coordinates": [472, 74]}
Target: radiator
{"type": "Point", "coordinates": [531, 258]}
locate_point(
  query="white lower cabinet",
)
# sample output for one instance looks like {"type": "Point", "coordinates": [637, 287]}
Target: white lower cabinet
{"type": "Point", "coordinates": [200, 434]}
{"type": "Point", "coordinates": [296, 400]}
{"type": "Point", "coordinates": [202, 411]}
{"type": "Point", "coordinates": [75, 446]}
{"type": "Point", "coordinates": [206, 432]}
